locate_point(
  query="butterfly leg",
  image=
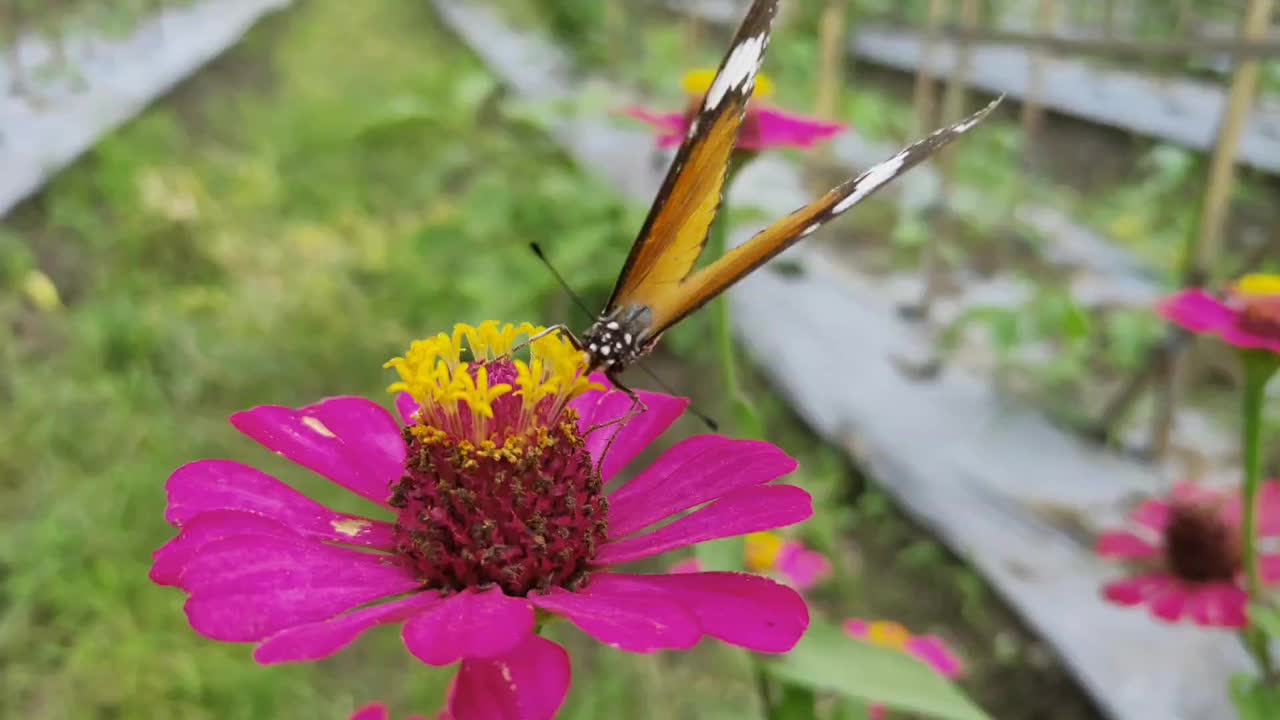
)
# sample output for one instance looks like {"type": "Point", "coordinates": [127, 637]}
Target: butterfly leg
{"type": "Point", "coordinates": [561, 328]}
{"type": "Point", "coordinates": [637, 407]}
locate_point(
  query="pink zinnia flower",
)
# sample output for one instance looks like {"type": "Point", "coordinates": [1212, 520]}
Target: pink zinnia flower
{"type": "Point", "coordinates": [1249, 317]}
{"type": "Point", "coordinates": [770, 554]}
{"type": "Point", "coordinates": [929, 649]}
{"type": "Point", "coordinates": [378, 711]}
{"type": "Point", "coordinates": [763, 128]}
{"type": "Point", "coordinates": [1187, 552]}
{"type": "Point", "coordinates": [497, 519]}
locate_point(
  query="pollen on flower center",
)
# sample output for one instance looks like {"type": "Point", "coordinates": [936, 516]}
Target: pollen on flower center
{"type": "Point", "coordinates": [1199, 545]}
{"type": "Point", "coordinates": [498, 485]}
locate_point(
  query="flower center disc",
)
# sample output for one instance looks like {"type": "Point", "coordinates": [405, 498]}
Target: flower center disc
{"type": "Point", "coordinates": [1261, 316]}
{"type": "Point", "coordinates": [498, 487]}
{"type": "Point", "coordinates": [1199, 546]}
{"type": "Point", "coordinates": [525, 512]}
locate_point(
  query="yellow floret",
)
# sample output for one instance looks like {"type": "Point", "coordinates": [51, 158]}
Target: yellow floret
{"type": "Point", "coordinates": [434, 374]}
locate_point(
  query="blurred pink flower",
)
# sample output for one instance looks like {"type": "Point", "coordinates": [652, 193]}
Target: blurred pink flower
{"type": "Point", "coordinates": [763, 128]}
{"type": "Point", "coordinates": [1248, 318]}
{"type": "Point", "coordinates": [378, 711]}
{"type": "Point", "coordinates": [770, 554]}
{"type": "Point", "coordinates": [1187, 556]}
{"type": "Point", "coordinates": [929, 649]}
{"type": "Point", "coordinates": [800, 567]}
{"type": "Point", "coordinates": [497, 511]}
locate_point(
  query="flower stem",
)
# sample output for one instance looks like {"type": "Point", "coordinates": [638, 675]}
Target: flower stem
{"type": "Point", "coordinates": [745, 417]}
{"type": "Point", "coordinates": [1259, 367]}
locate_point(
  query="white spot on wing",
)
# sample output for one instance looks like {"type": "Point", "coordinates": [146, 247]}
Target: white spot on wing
{"type": "Point", "coordinates": [872, 179]}
{"type": "Point", "coordinates": [605, 350]}
{"type": "Point", "coordinates": [739, 69]}
{"type": "Point", "coordinates": [318, 427]}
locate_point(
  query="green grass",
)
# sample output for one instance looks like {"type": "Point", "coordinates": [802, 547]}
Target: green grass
{"type": "Point", "coordinates": [271, 234]}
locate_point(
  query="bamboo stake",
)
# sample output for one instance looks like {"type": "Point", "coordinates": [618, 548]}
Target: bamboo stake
{"type": "Point", "coordinates": [923, 94]}
{"type": "Point", "coordinates": [1244, 86]}
{"type": "Point", "coordinates": [1032, 110]}
{"type": "Point", "coordinates": [1206, 245]}
{"type": "Point", "coordinates": [953, 103]}
{"type": "Point", "coordinates": [833, 29]}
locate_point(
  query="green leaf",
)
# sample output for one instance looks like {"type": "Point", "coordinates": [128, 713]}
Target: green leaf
{"type": "Point", "coordinates": [796, 703]}
{"type": "Point", "coordinates": [727, 555]}
{"type": "Point", "coordinates": [1266, 619]}
{"type": "Point", "coordinates": [827, 659]}
{"type": "Point", "coordinates": [1254, 700]}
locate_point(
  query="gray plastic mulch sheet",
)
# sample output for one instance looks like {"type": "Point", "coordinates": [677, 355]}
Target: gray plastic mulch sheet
{"type": "Point", "coordinates": [1005, 489]}
{"type": "Point", "coordinates": [1179, 110]}
{"type": "Point", "coordinates": [106, 81]}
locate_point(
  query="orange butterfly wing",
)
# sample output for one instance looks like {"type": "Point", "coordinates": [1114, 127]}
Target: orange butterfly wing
{"type": "Point", "coordinates": [676, 229]}
{"type": "Point", "coordinates": [691, 293]}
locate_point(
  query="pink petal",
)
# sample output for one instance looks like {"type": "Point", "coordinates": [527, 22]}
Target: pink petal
{"type": "Point", "coordinates": [596, 407]}
{"type": "Point", "coordinates": [741, 609]}
{"type": "Point", "coordinates": [856, 628]}
{"type": "Point", "coordinates": [623, 620]}
{"type": "Point", "coordinates": [171, 559]}
{"type": "Point", "coordinates": [250, 587]}
{"type": "Point", "coordinates": [316, 641]}
{"type": "Point", "coordinates": [528, 683]}
{"type": "Point", "coordinates": [349, 440]}
{"type": "Point", "coordinates": [745, 511]}
{"type": "Point", "coordinates": [1269, 568]}
{"type": "Point", "coordinates": [934, 652]}
{"type": "Point", "coordinates": [1136, 590]}
{"type": "Point", "coordinates": [1152, 514]}
{"type": "Point", "coordinates": [692, 472]}
{"type": "Point", "coordinates": [372, 711]}
{"type": "Point", "coordinates": [877, 712]}
{"type": "Point", "coordinates": [1124, 545]}
{"type": "Point", "coordinates": [1201, 312]}
{"type": "Point", "coordinates": [1196, 310]}
{"type": "Point", "coordinates": [406, 407]}
{"type": "Point", "coordinates": [1218, 605]}
{"type": "Point", "coordinates": [1170, 603]}
{"type": "Point", "coordinates": [208, 485]}
{"type": "Point", "coordinates": [666, 123]}
{"type": "Point", "coordinates": [1269, 509]}
{"type": "Point", "coordinates": [470, 624]}
{"type": "Point", "coordinates": [688, 565]}
{"type": "Point", "coordinates": [801, 567]}
{"type": "Point", "coordinates": [777, 128]}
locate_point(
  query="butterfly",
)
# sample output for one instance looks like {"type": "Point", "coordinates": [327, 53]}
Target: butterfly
{"type": "Point", "coordinates": [658, 286]}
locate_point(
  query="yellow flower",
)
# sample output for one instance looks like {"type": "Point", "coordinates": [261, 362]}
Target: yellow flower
{"type": "Point", "coordinates": [1258, 285]}
{"type": "Point", "coordinates": [763, 549]}
{"type": "Point", "coordinates": [698, 82]}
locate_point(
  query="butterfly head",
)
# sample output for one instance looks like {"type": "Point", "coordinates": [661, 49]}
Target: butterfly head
{"type": "Point", "coordinates": [619, 338]}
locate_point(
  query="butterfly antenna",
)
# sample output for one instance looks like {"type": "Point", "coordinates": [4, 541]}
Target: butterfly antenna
{"type": "Point", "coordinates": [537, 250]}
{"type": "Point", "coordinates": [707, 420]}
